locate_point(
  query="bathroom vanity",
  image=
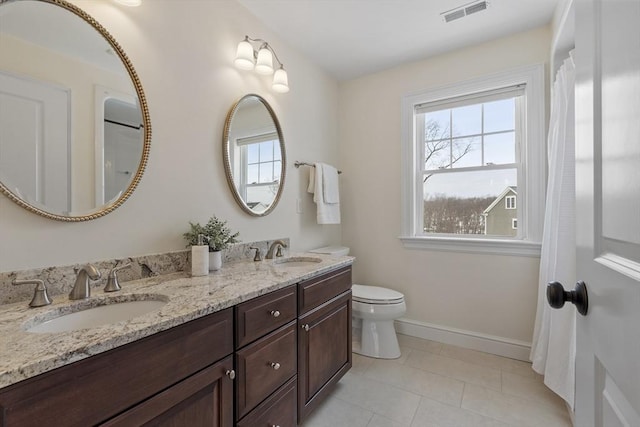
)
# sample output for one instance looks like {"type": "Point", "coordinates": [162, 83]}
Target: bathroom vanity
{"type": "Point", "coordinates": [265, 354]}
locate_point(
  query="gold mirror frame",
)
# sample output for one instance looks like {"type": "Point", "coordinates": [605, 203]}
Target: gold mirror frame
{"type": "Point", "coordinates": [227, 159]}
{"type": "Point", "coordinates": [145, 117]}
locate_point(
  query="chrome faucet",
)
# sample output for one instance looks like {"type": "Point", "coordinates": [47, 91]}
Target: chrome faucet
{"type": "Point", "coordinates": [278, 244]}
{"type": "Point", "coordinates": [81, 289]}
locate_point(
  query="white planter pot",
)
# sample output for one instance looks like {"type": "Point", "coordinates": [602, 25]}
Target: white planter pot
{"type": "Point", "coordinates": [215, 260]}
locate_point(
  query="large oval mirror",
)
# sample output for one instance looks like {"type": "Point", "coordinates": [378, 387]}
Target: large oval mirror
{"type": "Point", "coordinates": [74, 124]}
{"type": "Point", "coordinates": [254, 155]}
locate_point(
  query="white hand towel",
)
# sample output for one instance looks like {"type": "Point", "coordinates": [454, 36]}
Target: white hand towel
{"type": "Point", "coordinates": [328, 213]}
{"type": "Point", "coordinates": [311, 188]}
{"type": "Point", "coordinates": [330, 184]}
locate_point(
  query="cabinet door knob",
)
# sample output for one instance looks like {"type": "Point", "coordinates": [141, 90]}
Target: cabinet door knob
{"type": "Point", "coordinates": [231, 374]}
{"type": "Point", "coordinates": [275, 313]}
{"type": "Point", "coordinates": [305, 327]}
{"type": "Point", "coordinates": [275, 366]}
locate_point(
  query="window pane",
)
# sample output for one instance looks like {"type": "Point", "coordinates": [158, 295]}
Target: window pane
{"type": "Point", "coordinates": [500, 115]}
{"type": "Point", "coordinates": [266, 151]}
{"type": "Point", "coordinates": [266, 172]}
{"type": "Point", "coordinates": [277, 166]}
{"type": "Point", "coordinates": [467, 120]}
{"type": "Point", "coordinates": [469, 202]}
{"type": "Point", "coordinates": [252, 174]}
{"type": "Point", "coordinates": [437, 125]}
{"type": "Point", "coordinates": [253, 155]}
{"type": "Point", "coordinates": [466, 152]}
{"type": "Point", "coordinates": [500, 149]}
{"type": "Point", "coordinates": [277, 155]}
{"type": "Point", "coordinates": [437, 154]}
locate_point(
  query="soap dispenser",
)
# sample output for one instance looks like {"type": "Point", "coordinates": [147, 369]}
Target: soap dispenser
{"type": "Point", "coordinates": [200, 258]}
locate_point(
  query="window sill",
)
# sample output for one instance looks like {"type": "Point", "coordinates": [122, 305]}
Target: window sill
{"type": "Point", "coordinates": [474, 246]}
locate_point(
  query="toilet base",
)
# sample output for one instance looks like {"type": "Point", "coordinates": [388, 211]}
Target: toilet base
{"type": "Point", "coordinates": [377, 339]}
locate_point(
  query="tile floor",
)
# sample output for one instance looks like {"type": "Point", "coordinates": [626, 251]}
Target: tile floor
{"type": "Point", "coordinates": [439, 385]}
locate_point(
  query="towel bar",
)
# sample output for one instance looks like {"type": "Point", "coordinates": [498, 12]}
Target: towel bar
{"type": "Point", "coordinates": [298, 164]}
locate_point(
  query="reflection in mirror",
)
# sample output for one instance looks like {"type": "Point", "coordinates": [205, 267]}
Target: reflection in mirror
{"type": "Point", "coordinates": [254, 155]}
{"type": "Point", "coordinates": [74, 125]}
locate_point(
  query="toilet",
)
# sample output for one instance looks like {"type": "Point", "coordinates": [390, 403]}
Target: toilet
{"type": "Point", "coordinates": [374, 309]}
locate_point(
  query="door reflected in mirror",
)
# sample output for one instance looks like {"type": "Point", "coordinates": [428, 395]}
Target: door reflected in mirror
{"type": "Point", "coordinates": [74, 125]}
{"type": "Point", "coordinates": [254, 155]}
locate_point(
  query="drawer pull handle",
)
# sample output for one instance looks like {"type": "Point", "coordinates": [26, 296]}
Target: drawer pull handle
{"type": "Point", "coordinates": [231, 374]}
{"type": "Point", "coordinates": [275, 313]}
{"type": "Point", "coordinates": [275, 366]}
{"type": "Point", "coordinates": [274, 425]}
{"type": "Point", "coordinates": [305, 327]}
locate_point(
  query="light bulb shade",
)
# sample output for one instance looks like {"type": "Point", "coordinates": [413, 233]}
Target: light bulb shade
{"type": "Point", "coordinates": [264, 64]}
{"type": "Point", "coordinates": [280, 81]}
{"type": "Point", "coordinates": [244, 56]}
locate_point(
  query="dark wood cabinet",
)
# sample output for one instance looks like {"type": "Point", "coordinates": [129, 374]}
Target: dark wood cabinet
{"type": "Point", "coordinates": [324, 339]}
{"type": "Point", "coordinates": [202, 400]}
{"type": "Point", "coordinates": [93, 390]}
{"type": "Point", "coordinates": [266, 362]}
{"type": "Point", "coordinates": [291, 346]}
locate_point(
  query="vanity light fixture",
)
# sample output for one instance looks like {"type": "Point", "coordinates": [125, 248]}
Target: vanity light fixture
{"type": "Point", "coordinates": [247, 58]}
{"type": "Point", "coordinates": [131, 3]}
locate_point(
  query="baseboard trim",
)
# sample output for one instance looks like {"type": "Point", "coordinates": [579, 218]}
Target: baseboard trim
{"type": "Point", "coordinates": [500, 346]}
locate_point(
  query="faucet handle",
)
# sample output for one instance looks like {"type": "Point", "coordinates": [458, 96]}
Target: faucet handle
{"type": "Point", "coordinates": [40, 295]}
{"type": "Point", "coordinates": [279, 251]}
{"type": "Point", "coordinates": [113, 284]}
{"type": "Point", "coordinates": [258, 255]}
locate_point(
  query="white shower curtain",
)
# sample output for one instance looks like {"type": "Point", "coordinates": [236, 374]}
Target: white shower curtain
{"type": "Point", "coordinates": [554, 338]}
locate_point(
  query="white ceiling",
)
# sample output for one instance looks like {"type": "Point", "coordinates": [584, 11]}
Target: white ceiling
{"type": "Point", "coordinates": [351, 38]}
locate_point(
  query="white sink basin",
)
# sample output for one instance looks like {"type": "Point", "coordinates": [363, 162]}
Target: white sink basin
{"type": "Point", "coordinates": [92, 317]}
{"type": "Point", "coordinates": [297, 262]}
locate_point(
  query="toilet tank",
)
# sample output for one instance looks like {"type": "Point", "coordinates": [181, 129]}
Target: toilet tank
{"type": "Point", "coordinates": [332, 250]}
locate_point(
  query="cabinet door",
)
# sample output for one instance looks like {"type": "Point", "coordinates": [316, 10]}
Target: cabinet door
{"type": "Point", "coordinates": [324, 351]}
{"type": "Point", "coordinates": [204, 399]}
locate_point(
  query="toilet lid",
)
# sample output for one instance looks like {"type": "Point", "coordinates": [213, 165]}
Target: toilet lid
{"type": "Point", "coordinates": [376, 295]}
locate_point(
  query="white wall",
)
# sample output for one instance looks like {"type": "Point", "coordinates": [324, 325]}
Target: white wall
{"type": "Point", "coordinates": [183, 53]}
{"type": "Point", "coordinates": [481, 294]}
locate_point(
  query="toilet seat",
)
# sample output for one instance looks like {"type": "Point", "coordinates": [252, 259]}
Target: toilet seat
{"type": "Point", "coordinates": [376, 295]}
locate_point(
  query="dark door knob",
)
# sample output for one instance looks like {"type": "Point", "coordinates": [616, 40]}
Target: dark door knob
{"type": "Point", "coordinates": [557, 296]}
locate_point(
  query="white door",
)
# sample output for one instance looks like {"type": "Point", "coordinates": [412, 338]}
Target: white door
{"type": "Point", "coordinates": [34, 142]}
{"type": "Point", "coordinates": [608, 211]}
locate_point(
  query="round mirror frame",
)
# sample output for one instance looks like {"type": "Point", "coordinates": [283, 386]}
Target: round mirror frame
{"type": "Point", "coordinates": [227, 160]}
{"type": "Point", "coordinates": [145, 117]}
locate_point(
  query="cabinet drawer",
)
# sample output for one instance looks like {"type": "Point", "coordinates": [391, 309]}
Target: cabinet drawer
{"type": "Point", "coordinates": [278, 410]}
{"type": "Point", "coordinates": [92, 390]}
{"type": "Point", "coordinates": [264, 314]}
{"type": "Point", "coordinates": [316, 291]}
{"type": "Point", "coordinates": [264, 366]}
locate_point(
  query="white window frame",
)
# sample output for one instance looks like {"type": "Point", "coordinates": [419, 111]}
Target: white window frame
{"type": "Point", "coordinates": [514, 223]}
{"type": "Point", "coordinates": [531, 177]}
{"type": "Point", "coordinates": [506, 202]}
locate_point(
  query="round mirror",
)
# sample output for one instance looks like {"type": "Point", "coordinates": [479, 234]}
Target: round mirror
{"type": "Point", "coordinates": [254, 155]}
{"type": "Point", "coordinates": [74, 124]}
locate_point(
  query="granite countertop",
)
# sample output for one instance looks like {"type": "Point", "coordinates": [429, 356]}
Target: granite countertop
{"type": "Point", "coordinates": [24, 354]}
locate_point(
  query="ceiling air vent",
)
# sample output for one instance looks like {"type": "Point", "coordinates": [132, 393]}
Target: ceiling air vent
{"type": "Point", "coordinates": [464, 10]}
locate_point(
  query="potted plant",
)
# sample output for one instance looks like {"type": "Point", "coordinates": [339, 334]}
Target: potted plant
{"type": "Point", "coordinates": [217, 234]}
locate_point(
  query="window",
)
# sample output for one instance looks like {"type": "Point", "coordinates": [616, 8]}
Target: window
{"type": "Point", "coordinates": [466, 148]}
{"type": "Point", "coordinates": [261, 165]}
